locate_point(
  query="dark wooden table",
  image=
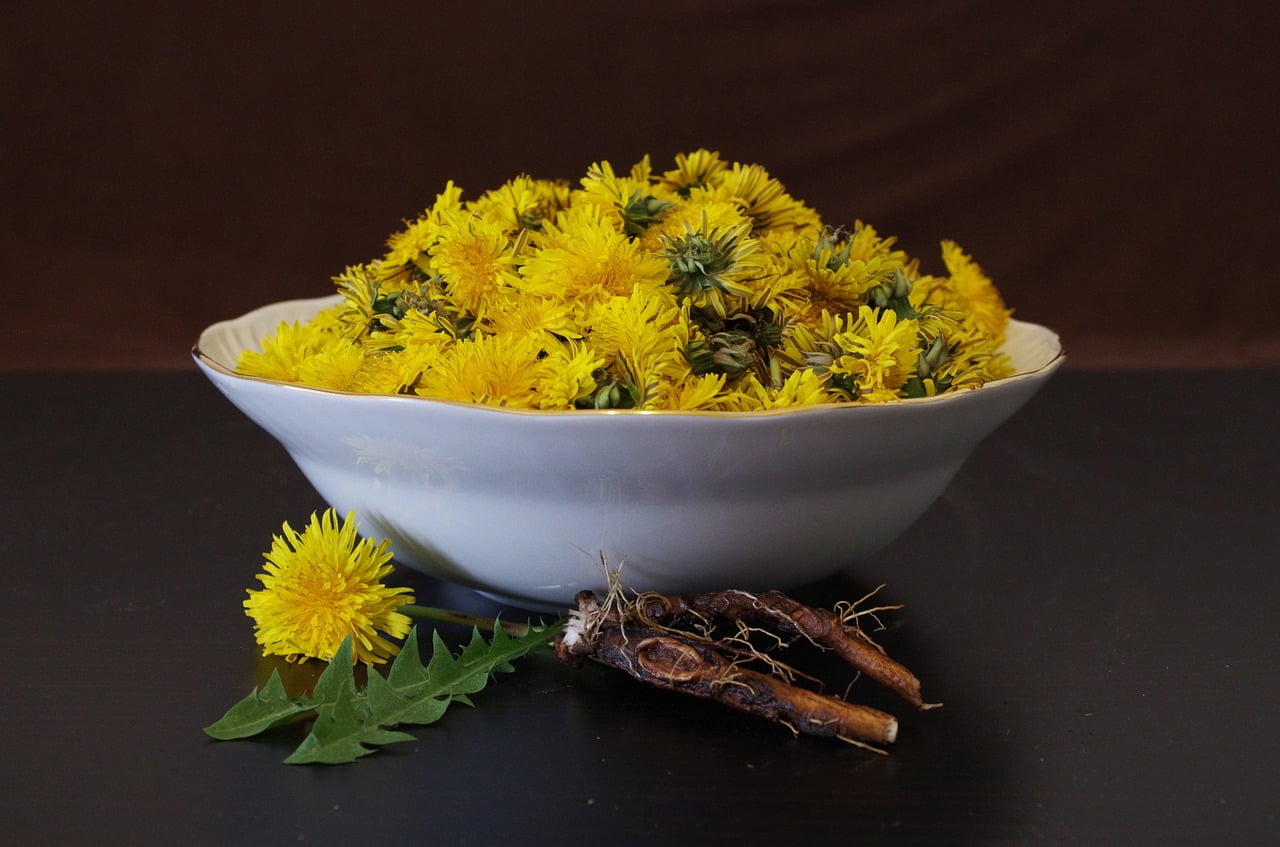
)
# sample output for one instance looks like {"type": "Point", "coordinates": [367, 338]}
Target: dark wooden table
{"type": "Point", "coordinates": [1095, 599]}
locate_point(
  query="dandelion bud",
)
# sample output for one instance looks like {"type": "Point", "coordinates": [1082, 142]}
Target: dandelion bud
{"type": "Point", "coordinates": [641, 211]}
{"type": "Point", "coordinates": [930, 360]}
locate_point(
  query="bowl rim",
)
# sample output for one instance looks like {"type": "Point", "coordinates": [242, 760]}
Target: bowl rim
{"type": "Point", "coordinates": [319, 303]}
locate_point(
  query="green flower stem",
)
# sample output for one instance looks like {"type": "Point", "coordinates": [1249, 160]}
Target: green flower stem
{"type": "Point", "coordinates": [431, 613]}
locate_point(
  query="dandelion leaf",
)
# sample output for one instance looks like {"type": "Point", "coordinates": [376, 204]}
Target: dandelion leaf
{"type": "Point", "coordinates": [478, 652]}
{"type": "Point", "coordinates": [338, 677]}
{"type": "Point", "coordinates": [270, 706]}
{"type": "Point", "coordinates": [265, 708]}
{"type": "Point", "coordinates": [352, 723]}
{"type": "Point", "coordinates": [390, 707]}
{"type": "Point", "coordinates": [407, 673]}
{"type": "Point", "coordinates": [341, 733]}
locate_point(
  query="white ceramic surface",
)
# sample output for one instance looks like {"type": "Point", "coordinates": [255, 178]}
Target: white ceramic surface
{"type": "Point", "coordinates": [521, 505]}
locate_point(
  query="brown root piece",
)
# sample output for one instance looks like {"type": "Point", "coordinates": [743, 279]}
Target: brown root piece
{"type": "Point", "coordinates": [677, 664]}
{"type": "Point", "coordinates": [643, 638]}
{"type": "Point", "coordinates": [789, 618]}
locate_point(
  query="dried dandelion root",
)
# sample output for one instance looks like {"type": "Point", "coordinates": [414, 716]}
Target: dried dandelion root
{"type": "Point", "coordinates": [642, 636]}
{"type": "Point", "coordinates": [670, 662]}
{"type": "Point", "coordinates": [790, 619]}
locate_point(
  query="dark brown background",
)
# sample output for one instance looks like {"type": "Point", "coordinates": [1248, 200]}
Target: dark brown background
{"type": "Point", "coordinates": [166, 165]}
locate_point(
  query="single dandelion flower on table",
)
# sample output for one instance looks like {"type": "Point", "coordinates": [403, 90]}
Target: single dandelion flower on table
{"type": "Point", "coordinates": [322, 585]}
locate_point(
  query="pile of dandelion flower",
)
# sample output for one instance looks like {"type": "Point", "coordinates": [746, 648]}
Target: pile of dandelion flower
{"type": "Point", "coordinates": [704, 287]}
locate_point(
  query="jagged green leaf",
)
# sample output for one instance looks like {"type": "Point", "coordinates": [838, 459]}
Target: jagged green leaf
{"type": "Point", "coordinates": [351, 723]}
{"type": "Point", "coordinates": [265, 708]}
{"type": "Point", "coordinates": [390, 707]}
{"type": "Point", "coordinates": [271, 706]}
{"type": "Point", "coordinates": [342, 731]}
{"type": "Point", "coordinates": [337, 678]}
{"type": "Point", "coordinates": [407, 673]}
{"type": "Point", "coordinates": [493, 654]}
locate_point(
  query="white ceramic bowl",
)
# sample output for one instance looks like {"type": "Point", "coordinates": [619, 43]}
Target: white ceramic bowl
{"type": "Point", "coordinates": [522, 505]}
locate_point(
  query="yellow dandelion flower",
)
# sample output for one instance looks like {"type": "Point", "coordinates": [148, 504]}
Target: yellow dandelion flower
{"type": "Point", "coordinates": [556, 195]}
{"type": "Point", "coordinates": [566, 376]}
{"type": "Point", "coordinates": [631, 202]}
{"type": "Point", "coordinates": [865, 244]}
{"type": "Point", "coordinates": [335, 367]}
{"type": "Point", "coordinates": [583, 258]}
{"type": "Point", "coordinates": [719, 213]}
{"type": "Point", "coordinates": [475, 258]}
{"type": "Point", "coordinates": [602, 186]}
{"type": "Point", "coordinates": [974, 359]}
{"type": "Point", "coordinates": [520, 315]}
{"type": "Point", "coordinates": [420, 329]}
{"type": "Point", "coordinates": [833, 280]}
{"type": "Point", "coordinates": [641, 335]}
{"type": "Point", "coordinates": [521, 203]}
{"type": "Point", "coordinates": [365, 293]}
{"type": "Point", "coordinates": [324, 584]}
{"type": "Point", "coordinates": [636, 322]}
{"type": "Point", "coordinates": [810, 343]}
{"type": "Point", "coordinates": [801, 388]}
{"type": "Point", "coordinates": [381, 374]}
{"type": "Point", "coordinates": [285, 353]}
{"type": "Point", "coordinates": [699, 169]}
{"type": "Point", "coordinates": [765, 200]}
{"type": "Point", "coordinates": [691, 393]}
{"type": "Point", "coordinates": [999, 366]}
{"type": "Point", "coordinates": [407, 249]}
{"type": "Point", "coordinates": [497, 370]}
{"type": "Point", "coordinates": [977, 295]}
{"type": "Point", "coordinates": [880, 353]}
{"type": "Point", "coordinates": [783, 284]}
{"type": "Point", "coordinates": [396, 372]}
{"type": "Point", "coordinates": [332, 320]}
